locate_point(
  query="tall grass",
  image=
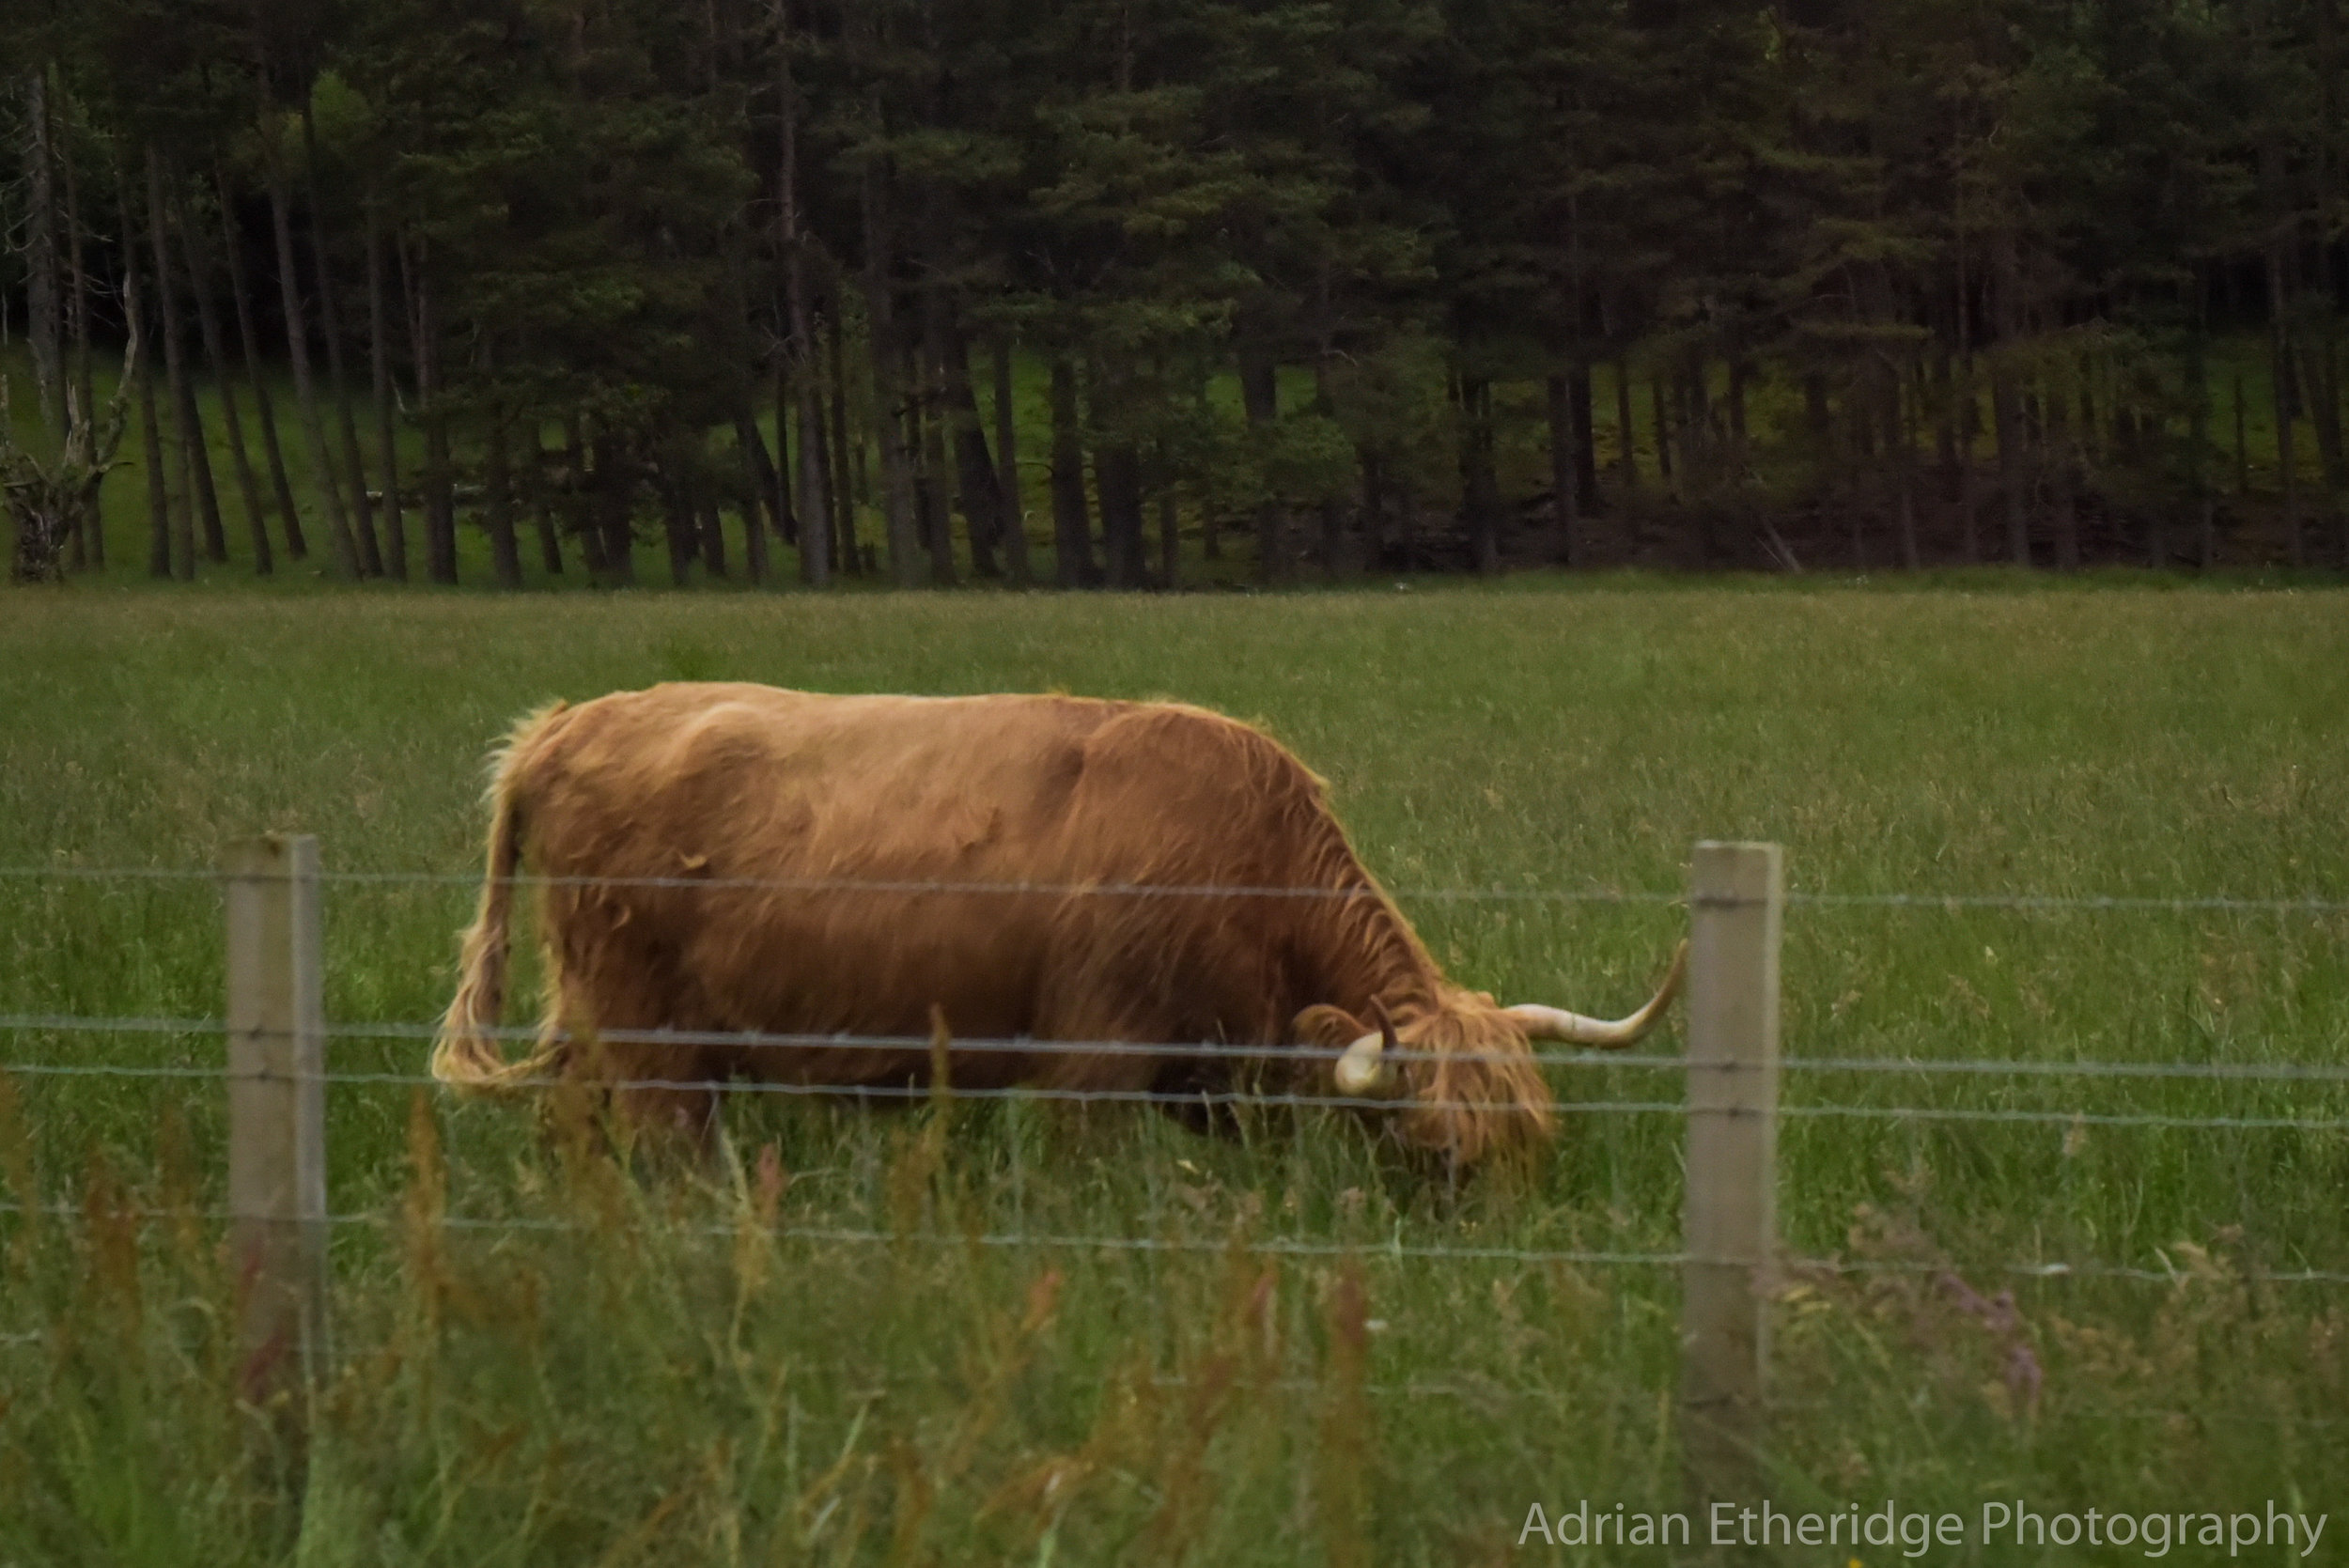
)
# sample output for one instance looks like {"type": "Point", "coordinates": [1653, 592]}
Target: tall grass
{"type": "Point", "coordinates": [853, 1338]}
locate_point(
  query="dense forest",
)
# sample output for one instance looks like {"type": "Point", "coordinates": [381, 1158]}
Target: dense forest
{"type": "Point", "coordinates": [1303, 288]}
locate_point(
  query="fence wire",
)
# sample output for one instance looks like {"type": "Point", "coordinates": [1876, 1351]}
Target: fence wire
{"type": "Point", "coordinates": [1204, 1098]}
{"type": "Point", "coordinates": [2291, 1072]}
{"type": "Point", "coordinates": [2312, 904]}
{"type": "Point", "coordinates": [2321, 1073]}
{"type": "Point", "coordinates": [1790, 1268]}
{"type": "Point", "coordinates": [1224, 1099]}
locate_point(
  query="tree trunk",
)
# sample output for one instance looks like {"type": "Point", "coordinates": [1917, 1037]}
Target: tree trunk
{"type": "Point", "coordinates": [2064, 467]}
{"type": "Point", "coordinates": [542, 503]}
{"type": "Point", "coordinates": [2007, 424]}
{"type": "Point", "coordinates": [579, 498]}
{"type": "Point", "coordinates": [2333, 511]}
{"type": "Point", "coordinates": [190, 433]}
{"type": "Point", "coordinates": [910, 424]}
{"type": "Point", "coordinates": [1014, 511]}
{"type": "Point", "coordinates": [1818, 419]}
{"type": "Point", "coordinates": [2085, 434]}
{"type": "Point", "coordinates": [45, 319]}
{"type": "Point", "coordinates": [216, 355]}
{"type": "Point", "coordinates": [1480, 490]}
{"type": "Point", "coordinates": [1117, 480]}
{"type": "Point", "coordinates": [1170, 534]}
{"type": "Point", "coordinates": [773, 470]}
{"type": "Point", "coordinates": [88, 544]}
{"type": "Point", "coordinates": [1665, 466]}
{"type": "Point", "coordinates": [930, 404]}
{"type": "Point", "coordinates": [386, 436]}
{"type": "Point", "coordinates": [2282, 235]}
{"type": "Point", "coordinates": [281, 489]}
{"type": "Point", "coordinates": [2279, 372]}
{"type": "Point", "coordinates": [43, 304]}
{"type": "Point", "coordinates": [1211, 521]}
{"type": "Point", "coordinates": [832, 406]}
{"type": "Point", "coordinates": [713, 527]}
{"type": "Point", "coordinates": [613, 488]}
{"type": "Point", "coordinates": [1564, 484]}
{"type": "Point", "coordinates": [1904, 447]}
{"type": "Point", "coordinates": [1740, 375]}
{"type": "Point", "coordinates": [1585, 444]}
{"type": "Point", "coordinates": [305, 395]}
{"type": "Point", "coordinates": [678, 526]}
{"type": "Point", "coordinates": [49, 503]}
{"type": "Point", "coordinates": [2318, 376]}
{"type": "Point", "coordinates": [330, 326]}
{"type": "Point", "coordinates": [881, 324]}
{"type": "Point", "coordinates": [1944, 397]}
{"type": "Point", "coordinates": [1072, 521]}
{"type": "Point", "coordinates": [765, 487]}
{"type": "Point", "coordinates": [1969, 500]}
{"type": "Point", "coordinates": [1696, 456]}
{"type": "Point", "coordinates": [1117, 477]}
{"type": "Point", "coordinates": [2005, 413]}
{"type": "Point", "coordinates": [440, 496]}
{"type": "Point", "coordinates": [701, 505]}
{"type": "Point", "coordinates": [1626, 461]}
{"type": "Point", "coordinates": [819, 484]}
{"type": "Point", "coordinates": [2242, 442]}
{"type": "Point", "coordinates": [856, 430]}
{"type": "Point", "coordinates": [2198, 429]}
{"type": "Point", "coordinates": [1332, 549]}
{"type": "Point", "coordinates": [1332, 510]}
{"type": "Point", "coordinates": [768, 491]}
{"type": "Point", "coordinates": [976, 483]}
{"type": "Point", "coordinates": [1260, 392]}
{"type": "Point", "coordinates": [1700, 442]}
{"type": "Point", "coordinates": [847, 477]}
{"type": "Point", "coordinates": [150, 428]}
{"type": "Point", "coordinates": [797, 362]}
{"type": "Point", "coordinates": [497, 504]}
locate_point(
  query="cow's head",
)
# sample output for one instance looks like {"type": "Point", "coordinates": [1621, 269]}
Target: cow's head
{"type": "Point", "coordinates": [1462, 1072]}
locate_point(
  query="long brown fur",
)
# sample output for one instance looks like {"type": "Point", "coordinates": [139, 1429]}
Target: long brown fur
{"type": "Point", "coordinates": [726, 781]}
{"type": "Point", "coordinates": [466, 1051]}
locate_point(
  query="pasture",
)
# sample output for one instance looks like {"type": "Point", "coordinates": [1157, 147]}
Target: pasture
{"type": "Point", "coordinates": [871, 1337]}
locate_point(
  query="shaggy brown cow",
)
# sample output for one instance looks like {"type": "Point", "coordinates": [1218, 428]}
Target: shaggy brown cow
{"type": "Point", "coordinates": [1149, 805]}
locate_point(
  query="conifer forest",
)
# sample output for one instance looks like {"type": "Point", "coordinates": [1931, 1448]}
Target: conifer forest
{"type": "Point", "coordinates": [1136, 293]}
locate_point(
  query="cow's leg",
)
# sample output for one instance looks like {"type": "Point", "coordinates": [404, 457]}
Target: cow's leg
{"type": "Point", "coordinates": [607, 994]}
{"type": "Point", "coordinates": [1180, 1085]}
{"type": "Point", "coordinates": [666, 1092]}
{"type": "Point", "coordinates": [1073, 1068]}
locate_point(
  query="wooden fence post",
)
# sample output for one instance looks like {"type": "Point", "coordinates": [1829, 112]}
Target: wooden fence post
{"type": "Point", "coordinates": [1736, 901]}
{"type": "Point", "coordinates": [276, 1108]}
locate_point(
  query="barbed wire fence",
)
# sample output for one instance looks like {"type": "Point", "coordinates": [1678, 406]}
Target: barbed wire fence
{"type": "Point", "coordinates": [276, 1076]}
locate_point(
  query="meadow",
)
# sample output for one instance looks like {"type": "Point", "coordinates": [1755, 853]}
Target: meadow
{"type": "Point", "coordinates": [862, 1337]}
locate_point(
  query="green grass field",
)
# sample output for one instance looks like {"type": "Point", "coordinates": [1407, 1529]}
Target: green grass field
{"type": "Point", "coordinates": [671, 1381]}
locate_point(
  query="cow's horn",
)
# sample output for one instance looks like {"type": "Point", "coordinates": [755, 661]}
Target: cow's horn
{"type": "Point", "coordinates": [1556, 1023]}
{"type": "Point", "coordinates": [1365, 1071]}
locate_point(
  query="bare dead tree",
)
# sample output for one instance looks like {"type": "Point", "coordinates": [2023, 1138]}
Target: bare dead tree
{"type": "Point", "coordinates": [51, 502]}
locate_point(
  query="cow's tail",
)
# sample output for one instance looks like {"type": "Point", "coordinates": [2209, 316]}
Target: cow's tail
{"type": "Point", "coordinates": [466, 1053]}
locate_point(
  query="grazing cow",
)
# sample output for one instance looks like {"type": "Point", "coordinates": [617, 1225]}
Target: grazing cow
{"type": "Point", "coordinates": [1024, 868]}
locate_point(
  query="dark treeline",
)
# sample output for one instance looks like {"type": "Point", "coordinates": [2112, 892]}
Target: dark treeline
{"type": "Point", "coordinates": [1319, 286]}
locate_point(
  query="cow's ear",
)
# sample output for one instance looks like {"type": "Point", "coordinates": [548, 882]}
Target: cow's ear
{"type": "Point", "coordinates": [1324, 1025]}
